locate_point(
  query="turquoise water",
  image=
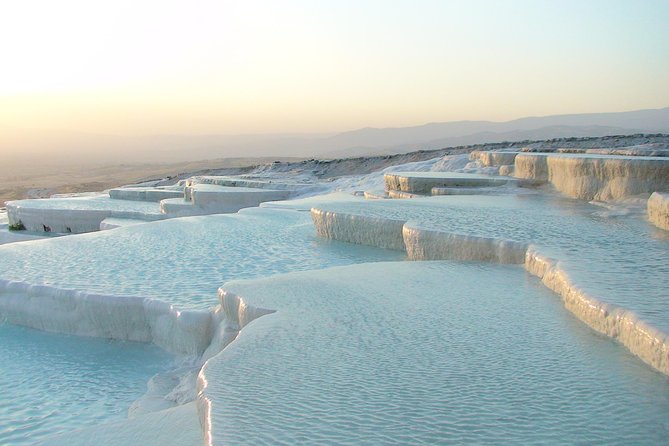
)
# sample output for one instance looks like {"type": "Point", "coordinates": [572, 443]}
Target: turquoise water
{"type": "Point", "coordinates": [181, 261]}
{"type": "Point", "coordinates": [51, 383]}
{"type": "Point", "coordinates": [427, 353]}
{"type": "Point", "coordinates": [384, 353]}
{"type": "Point", "coordinates": [95, 203]}
{"type": "Point", "coordinates": [616, 256]}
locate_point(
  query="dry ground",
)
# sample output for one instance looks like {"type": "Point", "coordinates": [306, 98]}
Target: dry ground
{"type": "Point", "coordinates": [40, 181]}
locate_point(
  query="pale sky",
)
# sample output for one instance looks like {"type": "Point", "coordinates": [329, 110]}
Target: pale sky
{"type": "Point", "coordinates": [252, 66]}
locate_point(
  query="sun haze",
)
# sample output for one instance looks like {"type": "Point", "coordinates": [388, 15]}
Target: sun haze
{"type": "Point", "coordinates": [239, 67]}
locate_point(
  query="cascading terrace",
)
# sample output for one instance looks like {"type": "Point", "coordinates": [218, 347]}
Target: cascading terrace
{"type": "Point", "coordinates": [379, 316]}
{"type": "Point", "coordinates": [455, 229]}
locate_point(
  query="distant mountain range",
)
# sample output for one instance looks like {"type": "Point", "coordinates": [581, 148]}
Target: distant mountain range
{"type": "Point", "coordinates": [437, 135]}
{"type": "Point", "coordinates": [365, 141]}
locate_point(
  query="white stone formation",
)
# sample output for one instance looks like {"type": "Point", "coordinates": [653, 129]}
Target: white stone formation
{"type": "Point", "coordinates": [658, 210]}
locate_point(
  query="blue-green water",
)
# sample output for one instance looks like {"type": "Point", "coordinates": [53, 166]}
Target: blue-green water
{"type": "Point", "coordinates": [615, 256]}
{"type": "Point", "coordinates": [181, 261]}
{"type": "Point", "coordinates": [51, 383]}
{"type": "Point", "coordinates": [427, 353]}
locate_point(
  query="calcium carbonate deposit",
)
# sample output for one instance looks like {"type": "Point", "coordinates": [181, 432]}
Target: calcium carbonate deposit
{"type": "Point", "coordinates": [511, 295]}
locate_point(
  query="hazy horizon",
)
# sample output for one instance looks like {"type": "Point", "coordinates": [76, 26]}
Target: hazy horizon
{"type": "Point", "coordinates": [86, 78]}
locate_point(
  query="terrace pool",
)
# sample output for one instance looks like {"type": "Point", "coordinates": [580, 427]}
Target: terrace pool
{"type": "Point", "coordinates": [52, 383]}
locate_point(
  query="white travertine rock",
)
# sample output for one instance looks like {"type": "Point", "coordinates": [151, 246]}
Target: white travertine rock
{"type": "Point", "coordinates": [658, 210]}
{"type": "Point", "coordinates": [232, 315]}
{"type": "Point", "coordinates": [423, 182]}
{"type": "Point", "coordinates": [491, 158]}
{"type": "Point", "coordinates": [203, 199]}
{"type": "Point", "coordinates": [375, 194]}
{"type": "Point", "coordinates": [343, 339]}
{"type": "Point", "coordinates": [113, 317]}
{"type": "Point", "coordinates": [145, 193]}
{"type": "Point", "coordinates": [55, 220]}
{"type": "Point", "coordinates": [464, 190]}
{"type": "Point", "coordinates": [178, 207]}
{"type": "Point", "coordinates": [596, 177]}
{"type": "Point", "coordinates": [238, 182]}
{"type": "Point", "coordinates": [506, 170]}
{"type": "Point", "coordinates": [363, 230]}
{"type": "Point", "coordinates": [531, 166]}
{"type": "Point", "coordinates": [76, 215]}
{"type": "Point", "coordinates": [398, 194]}
{"type": "Point", "coordinates": [648, 343]}
{"type": "Point", "coordinates": [424, 244]}
{"type": "Point", "coordinates": [206, 333]}
{"type": "Point", "coordinates": [113, 223]}
{"type": "Point", "coordinates": [195, 333]}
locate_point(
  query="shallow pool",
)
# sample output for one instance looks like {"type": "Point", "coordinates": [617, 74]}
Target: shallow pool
{"type": "Point", "coordinates": [181, 261]}
{"type": "Point", "coordinates": [426, 353]}
{"type": "Point", "coordinates": [51, 383]}
{"type": "Point", "coordinates": [614, 255]}
{"type": "Point", "coordinates": [90, 203]}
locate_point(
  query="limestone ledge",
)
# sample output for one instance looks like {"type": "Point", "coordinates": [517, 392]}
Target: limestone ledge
{"type": "Point", "coordinates": [234, 314]}
{"type": "Point", "coordinates": [144, 193]}
{"type": "Point", "coordinates": [489, 158]}
{"type": "Point", "coordinates": [658, 210]}
{"type": "Point", "coordinates": [421, 183]}
{"type": "Point", "coordinates": [593, 177]}
{"type": "Point", "coordinates": [362, 230]}
{"type": "Point", "coordinates": [648, 343]}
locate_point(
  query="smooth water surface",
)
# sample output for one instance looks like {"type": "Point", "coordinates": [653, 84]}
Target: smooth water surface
{"type": "Point", "coordinates": [427, 353]}
{"type": "Point", "coordinates": [614, 255]}
{"type": "Point", "coordinates": [181, 261]}
{"type": "Point", "coordinates": [94, 203]}
{"type": "Point", "coordinates": [52, 383]}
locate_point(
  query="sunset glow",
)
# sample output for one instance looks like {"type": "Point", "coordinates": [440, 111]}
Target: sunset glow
{"type": "Point", "coordinates": [298, 66]}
